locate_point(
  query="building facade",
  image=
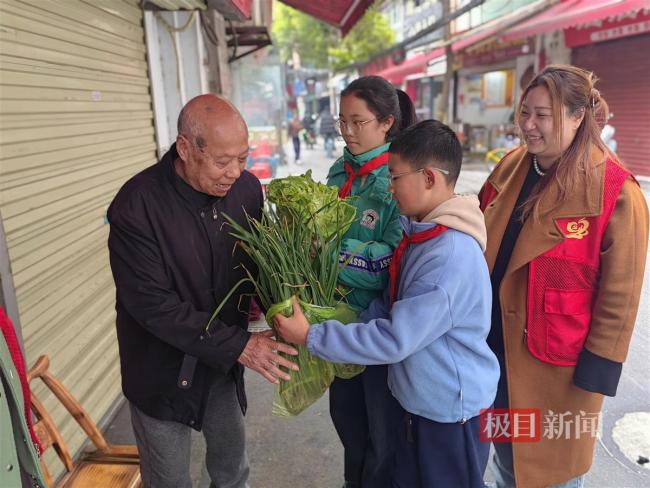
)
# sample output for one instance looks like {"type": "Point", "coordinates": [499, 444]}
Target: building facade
{"type": "Point", "coordinates": [498, 47]}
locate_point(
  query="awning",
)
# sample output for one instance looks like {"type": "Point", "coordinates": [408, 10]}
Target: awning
{"type": "Point", "coordinates": [417, 65]}
{"type": "Point", "coordinates": [570, 13]}
{"type": "Point", "coordinates": [472, 39]}
{"type": "Point", "coordinates": [492, 28]}
{"type": "Point", "coordinates": [253, 37]}
{"type": "Point", "coordinates": [634, 24]}
{"type": "Point", "coordinates": [343, 14]}
{"type": "Point", "coordinates": [231, 9]}
{"type": "Point", "coordinates": [175, 4]}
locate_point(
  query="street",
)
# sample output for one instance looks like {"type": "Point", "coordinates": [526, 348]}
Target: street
{"type": "Point", "coordinates": [304, 452]}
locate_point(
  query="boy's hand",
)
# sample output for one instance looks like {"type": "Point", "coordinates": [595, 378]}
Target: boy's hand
{"type": "Point", "coordinates": [293, 329]}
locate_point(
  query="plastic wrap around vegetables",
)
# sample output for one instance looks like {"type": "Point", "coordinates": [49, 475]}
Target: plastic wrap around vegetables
{"type": "Point", "coordinates": [295, 246]}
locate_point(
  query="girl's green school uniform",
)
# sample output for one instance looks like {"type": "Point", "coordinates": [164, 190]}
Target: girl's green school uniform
{"type": "Point", "coordinates": [375, 233]}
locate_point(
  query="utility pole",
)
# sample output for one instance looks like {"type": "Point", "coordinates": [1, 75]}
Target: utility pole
{"type": "Point", "coordinates": [442, 113]}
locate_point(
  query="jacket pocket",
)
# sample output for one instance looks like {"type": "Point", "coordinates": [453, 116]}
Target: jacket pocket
{"type": "Point", "coordinates": [567, 314]}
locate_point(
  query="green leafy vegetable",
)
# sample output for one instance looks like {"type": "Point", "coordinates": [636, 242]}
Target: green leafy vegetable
{"type": "Point", "coordinates": [317, 204]}
{"type": "Point", "coordinates": [296, 246]}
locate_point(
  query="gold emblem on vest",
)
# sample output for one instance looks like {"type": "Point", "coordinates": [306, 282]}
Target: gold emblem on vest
{"type": "Point", "coordinates": [577, 230]}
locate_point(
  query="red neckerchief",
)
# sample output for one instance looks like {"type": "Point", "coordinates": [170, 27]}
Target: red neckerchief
{"type": "Point", "coordinates": [367, 168]}
{"type": "Point", "coordinates": [19, 363]}
{"type": "Point", "coordinates": [395, 261]}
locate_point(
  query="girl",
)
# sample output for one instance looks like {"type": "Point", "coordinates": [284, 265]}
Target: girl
{"type": "Point", "coordinates": [567, 237]}
{"type": "Point", "coordinates": [371, 113]}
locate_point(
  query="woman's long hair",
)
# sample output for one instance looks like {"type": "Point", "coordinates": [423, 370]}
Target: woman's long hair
{"type": "Point", "coordinates": [572, 90]}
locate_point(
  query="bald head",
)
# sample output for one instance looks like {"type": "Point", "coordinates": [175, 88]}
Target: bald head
{"type": "Point", "coordinates": [207, 116]}
{"type": "Point", "coordinates": [212, 144]}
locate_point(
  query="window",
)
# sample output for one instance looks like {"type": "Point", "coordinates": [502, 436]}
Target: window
{"type": "Point", "coordinates": [497, 88]}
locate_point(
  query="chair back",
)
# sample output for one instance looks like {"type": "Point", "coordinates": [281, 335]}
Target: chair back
{"type": "Point", "coordinates": [45, 427]}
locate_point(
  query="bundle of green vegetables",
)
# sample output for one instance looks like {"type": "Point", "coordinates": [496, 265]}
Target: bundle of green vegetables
{"type": "Point", "coordinates": [295, 246]}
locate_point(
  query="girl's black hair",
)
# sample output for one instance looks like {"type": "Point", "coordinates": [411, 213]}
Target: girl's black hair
{"type": "Point", "coordinates": [407, 110]}
{"type": "Point", "coordinates": [384, 100]}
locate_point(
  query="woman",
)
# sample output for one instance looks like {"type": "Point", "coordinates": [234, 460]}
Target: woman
{"type": "Point", "coordinates": [371, 113]}
{"type": "Point", "coordinates": [567, 238]}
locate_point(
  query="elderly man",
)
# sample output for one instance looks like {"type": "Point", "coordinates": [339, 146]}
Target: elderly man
{"type": "Point", "coordinates": [174, 261]}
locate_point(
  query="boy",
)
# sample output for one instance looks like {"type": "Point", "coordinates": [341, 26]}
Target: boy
{"type": "Point", "coordinates": [431, 324]}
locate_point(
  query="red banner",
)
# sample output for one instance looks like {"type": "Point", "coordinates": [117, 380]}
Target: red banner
{"type": "Point", "coordinates": [495, 52]}
{"type": "Point", "coordinates": [607, 30]}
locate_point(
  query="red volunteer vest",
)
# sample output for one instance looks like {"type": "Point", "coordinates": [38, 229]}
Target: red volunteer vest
{"type": "Point", "coordinates": [563, 282]}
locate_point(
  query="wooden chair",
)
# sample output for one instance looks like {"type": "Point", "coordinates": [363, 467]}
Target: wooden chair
{"type": "Point", "coordinates": [104, 466]}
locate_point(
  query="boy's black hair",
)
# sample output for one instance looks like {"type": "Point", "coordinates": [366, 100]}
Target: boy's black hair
{"type": "Point", "coordinates": [383, 100]}
{"type": "Point", "coordinates": [430, 143]}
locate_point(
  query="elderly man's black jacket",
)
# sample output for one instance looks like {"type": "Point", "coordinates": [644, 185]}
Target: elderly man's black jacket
{"type": "Point", "coordinates": [173, 261]}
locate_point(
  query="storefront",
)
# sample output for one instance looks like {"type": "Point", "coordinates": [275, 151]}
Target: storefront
{"type": "Point", "coordinates": [489, 83]}
{"type": "Point", "coordinates": [617, 51]}
{"type": "Point", "coordinates": [612, 39]}
{"type": "Point", "coordinates": [423, 91]}
{"type": "Point", "coordinates": [426, 88]}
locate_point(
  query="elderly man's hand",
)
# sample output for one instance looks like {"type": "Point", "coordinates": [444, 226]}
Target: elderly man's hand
{"type": "Point", "coordinates": [261, 355]}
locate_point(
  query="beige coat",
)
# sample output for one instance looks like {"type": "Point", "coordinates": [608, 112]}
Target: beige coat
{"type": "Point", "coordinates": [532, 383]}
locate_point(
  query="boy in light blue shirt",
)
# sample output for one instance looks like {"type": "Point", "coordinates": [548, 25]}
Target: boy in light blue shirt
{"type": "Point", "coordinates": [431, 324]}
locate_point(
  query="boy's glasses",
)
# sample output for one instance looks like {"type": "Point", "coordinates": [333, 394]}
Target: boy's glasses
{"type": "Point", "coordinates": [394, 177]}
{"type": "Point", "coordinates": [354, 127]}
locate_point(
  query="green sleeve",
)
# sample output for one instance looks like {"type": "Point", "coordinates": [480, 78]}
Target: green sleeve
{"type": "Point", "coordinates": [369, 261]}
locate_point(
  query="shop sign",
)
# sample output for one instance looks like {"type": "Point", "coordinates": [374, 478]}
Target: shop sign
{"type": "Point", "coordinates": [437, 67]}
{"type": "Point", "coordinates": [496, 52]}
{"type": "Point", "coordinates": [607, 30]}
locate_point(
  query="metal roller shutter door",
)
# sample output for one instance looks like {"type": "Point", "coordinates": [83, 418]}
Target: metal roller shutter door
{"type": "Point", "coordinates": [76, 121]}
{"type": "Point", "coordinates": [623, 67]}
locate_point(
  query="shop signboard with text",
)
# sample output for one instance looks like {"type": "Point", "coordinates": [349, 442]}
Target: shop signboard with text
{"type": "Point", "coordinates": [608, 30]}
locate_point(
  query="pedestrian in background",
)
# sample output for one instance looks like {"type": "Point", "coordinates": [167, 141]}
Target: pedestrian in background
{"type": "Point", "coordinates": [567, 238]}
{"type": "Point", "coordinates": [328, 131]}
{"type": "Point", "coordinates": [294, 128]}
{"type": "Point", "coordinates": [309, 133]}
{"type": "Point", "coordinates": [362, 408]}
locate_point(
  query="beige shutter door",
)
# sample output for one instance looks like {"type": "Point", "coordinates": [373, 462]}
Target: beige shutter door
{"type": "Point", "coordinates": [75, 123]}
